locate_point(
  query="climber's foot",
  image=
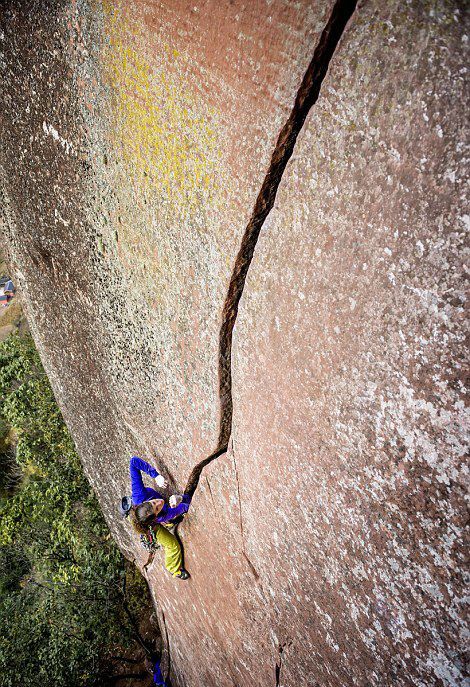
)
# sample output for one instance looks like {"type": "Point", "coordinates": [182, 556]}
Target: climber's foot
{"type": "Point", "coordinates": [183, 574]}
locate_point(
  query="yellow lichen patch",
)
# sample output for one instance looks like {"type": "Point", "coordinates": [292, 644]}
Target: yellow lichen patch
{"type": "Point", "coordinates": [165, 164]}
{"type": "Point", "coordinates": [164, 131]}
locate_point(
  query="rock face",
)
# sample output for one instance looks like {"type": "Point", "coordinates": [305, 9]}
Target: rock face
{"type": "Point", "coordinates": [326, 545]}
{"type": "Point", "coordinates": [349, 344]}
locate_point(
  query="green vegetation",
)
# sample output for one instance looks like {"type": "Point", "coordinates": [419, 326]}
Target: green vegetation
{"type": "Point", "coordinates": [68, 599]}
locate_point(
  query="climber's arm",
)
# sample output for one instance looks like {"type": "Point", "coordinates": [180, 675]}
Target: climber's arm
{"type": "Point", "coordinates": [180, 509]}
{"type": "Point", "coordinates": [136, 467]}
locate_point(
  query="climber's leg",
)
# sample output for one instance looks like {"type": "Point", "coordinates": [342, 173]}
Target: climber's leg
{"type": "Point", "coordinates": [172, 547]}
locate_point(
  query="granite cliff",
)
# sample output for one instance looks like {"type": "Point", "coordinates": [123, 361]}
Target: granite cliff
{"type": "Point", "coordinates": [243, 223]}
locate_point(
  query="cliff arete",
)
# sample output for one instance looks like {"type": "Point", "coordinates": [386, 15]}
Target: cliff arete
{"type": "Point", "coordinates": [243, 222]}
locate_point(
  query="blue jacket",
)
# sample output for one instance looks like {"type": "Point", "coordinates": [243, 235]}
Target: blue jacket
{"type": "Point", "coordinates": [141, 493]}
{"type": "Point", "coordinates": [158, 677]}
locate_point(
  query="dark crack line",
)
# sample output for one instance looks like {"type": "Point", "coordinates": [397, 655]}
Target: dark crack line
{"type": "Point", "coordinates": [239, 502]}
{"type": "Point", "coordinates": [251, 566]}
{"type": "Point", "coordinates": [242, 531]}
{"type": "Point", "coordinates": [210, 492]}
{"type": "Point", "coordinates": [195, 475]}
{"type": "Point", "coordinates": [307, 96]}
{"type": "Point", "coordinates": [281, 649]}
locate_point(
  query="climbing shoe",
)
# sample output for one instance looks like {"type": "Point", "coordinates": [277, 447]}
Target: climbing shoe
{"type": "Point", "coordinates": [183, 574]}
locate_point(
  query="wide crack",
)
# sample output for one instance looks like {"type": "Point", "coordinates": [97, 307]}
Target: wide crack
{"type": "Point", "coordinates": [307, 96]}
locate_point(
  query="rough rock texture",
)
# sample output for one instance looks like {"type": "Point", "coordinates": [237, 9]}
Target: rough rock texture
{"type": "Point", "coordinates": [326, 546]}
{"type": "Point", "coordinates": [134, 155]}
{"type": "Point", "coordinates": [350, 344]}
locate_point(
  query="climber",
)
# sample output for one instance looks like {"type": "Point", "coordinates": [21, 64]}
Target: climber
{"type": "Point", "coordinates": [148, 510]}
{"type": "Point", "coordinates": [149, 504]}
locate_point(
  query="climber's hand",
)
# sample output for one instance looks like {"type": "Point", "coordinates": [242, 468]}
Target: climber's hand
{"type": "Point", "coordinates": [161, 481]}
{"type": "Point", "coordinates": [175, 500]}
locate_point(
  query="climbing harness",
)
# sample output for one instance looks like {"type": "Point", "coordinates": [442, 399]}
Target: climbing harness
{"type": "Point", "coordinates": [149, 540]}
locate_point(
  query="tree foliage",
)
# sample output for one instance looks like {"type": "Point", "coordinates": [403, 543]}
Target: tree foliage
{"type": "Point", "coordinates": [63, 607]}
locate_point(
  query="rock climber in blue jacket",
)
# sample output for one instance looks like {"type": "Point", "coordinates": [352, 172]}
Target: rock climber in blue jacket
{"type": "Point", "coordinates": [149, 504]}
{"type": "Point", "coordinates": [148, 510]}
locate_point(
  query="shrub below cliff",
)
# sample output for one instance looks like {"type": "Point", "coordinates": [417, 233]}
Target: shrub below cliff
{"type": "Point", "coordinates": [68, 600]}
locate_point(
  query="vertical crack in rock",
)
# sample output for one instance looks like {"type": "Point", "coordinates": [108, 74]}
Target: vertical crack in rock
{"type": "Point", "coordinates": [307, 96]}
{"type": "Point", "coordinates": [251, 566]}
{"type": "Point", "coordinates": [239, 502]}
{"type": "Point", "coordinates": [278, 669]}
{"type": "Point", "coordinates": [193, 480]}
{"type": "Point", "coordinates": [278, 666]}
{"type": "Point", "coordinates": [210, 492]}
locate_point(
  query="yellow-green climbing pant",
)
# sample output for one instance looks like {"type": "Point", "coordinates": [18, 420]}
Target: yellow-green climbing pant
{"type": "Point", "coordinates": [173, 554]}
